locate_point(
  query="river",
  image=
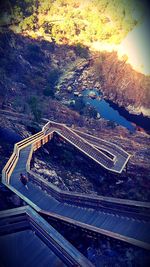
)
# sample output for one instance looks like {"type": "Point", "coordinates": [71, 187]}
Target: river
{"type": "Point", "coordinates": [112, 112]}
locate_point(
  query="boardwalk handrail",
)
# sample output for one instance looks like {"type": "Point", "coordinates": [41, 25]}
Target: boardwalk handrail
{"type": "Point", "coordinates": [88, 200]}
{"type": "Point", "coordinates": [100, 139]}
{"type": "Point", "coordinates": [98, 154]}
{"type": "Point", "coordinates": [10, 165]}
{"type": "Point", "coordinates": [63, 127]}
{"type": "Point", "coordinates": [111, 205]}
{"type": "Point", "coordinates": [112, 160]}
{"type": "Point", "coordinates": [27, 218]}
{"type": "Point", "coordinates": [21, 145]}
{"type": "Point", "coordinates": [117, 148]}
{"type": "Point", "coordinates": [6, 173]}
{"type": "Point", "coordinates": [61, 130]}
{"type": "Point", "coordinates": [86, 227]}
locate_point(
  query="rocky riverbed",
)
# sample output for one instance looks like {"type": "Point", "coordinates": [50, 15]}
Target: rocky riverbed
{"type": "Point", "coordinates": [113, 77]}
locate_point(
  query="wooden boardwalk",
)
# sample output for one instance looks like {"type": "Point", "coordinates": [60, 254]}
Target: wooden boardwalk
{"type": "Point", "coordinates": [106, 154]}
{"type": "Point", "coordinates": [26, 239]}
{"type": "Point", "coordinates": [121, 156]}
{"type": "Point", "coordinates": [121, 219]}
{"type": "Point", "coordinates": [111, 223]}
{"type": "Point", "coordinates": [26, 249]}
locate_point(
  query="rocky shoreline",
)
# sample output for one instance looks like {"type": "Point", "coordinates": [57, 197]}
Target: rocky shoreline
{"type": "Point", "coordinates": [84, 78]}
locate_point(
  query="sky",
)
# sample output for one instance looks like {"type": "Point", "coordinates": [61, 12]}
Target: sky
{"type": "Point", "coordinates": [136, 45]}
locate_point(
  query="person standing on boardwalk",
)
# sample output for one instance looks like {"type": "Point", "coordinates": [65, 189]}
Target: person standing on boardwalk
{"type": "Point", "coordinates": [24, 180]}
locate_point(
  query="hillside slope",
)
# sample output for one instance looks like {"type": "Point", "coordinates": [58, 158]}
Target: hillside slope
{"type": "Point", "coordinates": [31, 67]}
{"type": "Point", "coordinates": [51, 40]}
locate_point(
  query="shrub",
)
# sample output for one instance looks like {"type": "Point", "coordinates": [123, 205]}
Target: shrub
{"type": "Point", "coordinates": [90, 111]}
{"type": "Point", "coordinates": [111, 124]}
{"type": "Point", "coordinates": [81, 51]}
{"type": "Point", "coordinates": [49, 92]}
{"type": "Point", "coordinates": [34, 53]}
{"type": "Point", "coordinates": [53, 77]}
{"type": "Point", "coordinates": [34, 106]}
{"type": "Point", "coordinates": [79, 105]}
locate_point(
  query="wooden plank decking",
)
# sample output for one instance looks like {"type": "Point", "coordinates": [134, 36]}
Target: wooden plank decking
{"type": "Point", "coordinates": [118, 223]}
{"type": "Point", "coordinates": [123, 226]}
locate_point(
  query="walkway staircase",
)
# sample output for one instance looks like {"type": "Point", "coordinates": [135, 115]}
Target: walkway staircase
{"type": "Point", "coordinates": [122, 219]}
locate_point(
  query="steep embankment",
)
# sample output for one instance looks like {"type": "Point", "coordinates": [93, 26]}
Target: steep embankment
{"type": "Point", "coordinates": [36, 67]}
{"type": "Point", "coordinates": [122, 84]}
{"type": "Point", "coordinates": [29, 71]}
{"type": "Point", "coordinates": [32, 64]}
{"type": "Point", "coordinates": [115, 78]}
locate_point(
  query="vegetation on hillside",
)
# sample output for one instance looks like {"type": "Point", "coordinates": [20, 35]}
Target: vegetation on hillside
{"type": "Point", "coordinates": [120, 81]}
{"type": "Point", "coordinates": [73, 21]}
{"type": "Point", "coordinates": [27, 76]}
{"type": "Point", "coordinates": [49, 56]}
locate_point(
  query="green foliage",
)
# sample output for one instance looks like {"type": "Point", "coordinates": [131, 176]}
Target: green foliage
{"type": "Point", "coordinates": [53, 77]}
{"type": "Point", "coordinates": [34, 106]}
{"type": "Point", "coordinates": [17, 14]}
{"type": "Point", "coordinates": [49, 92]}
{"type": "Point", "coordinates": [76, 21]}
{"type": "Point", "coordinates": [27, 7]}
{"type": "Point", "coordinates": [34, 53]}
{"type": "Point", "coordinates": [86, 110]}
{"type": "Point", "coordinates": [33, 102]}
{"type": "Point", "coordinates": [81, 51]}
{"type": "Point", "coordinates": [111, 124]}
{"type": "Point", "coordinates": [90, 111]}
{"type": "Point", "coordinates": [45, 6]}
{"type": "Point", "coordinates": [52, 81]}
{"type": "Point", "coordinates": [79, 105]}
{"type": "Point", "coordinates": [28, 23]}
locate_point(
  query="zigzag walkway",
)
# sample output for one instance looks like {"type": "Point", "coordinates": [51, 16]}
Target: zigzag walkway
{"type": "Point", "coordinates": [124, 227]}
{"type": "Point", "coordinates": [122, 156]}
{"type": "Point", "coordinates": [95, 148]}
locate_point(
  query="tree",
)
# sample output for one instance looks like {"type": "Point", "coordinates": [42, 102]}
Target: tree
{"type": "Point", "coordinates": [34, 106]}
{"type": "Point", "coordinates": [28, 23]}
{"type": "Point", "coordinates": [53, 77]}
{"type": "Point", "coordinates": [81, 51]}
{"type": "Point", "coordinates": [79, 105]}
{"type": "Point", "coordinates": [34, 53]}
{"type": "Point", "coordinates": [49, 92]}
{"type": "Point", "coordinates": [90, 111]}
{"type": "Point", "coordinates": [75, 21]}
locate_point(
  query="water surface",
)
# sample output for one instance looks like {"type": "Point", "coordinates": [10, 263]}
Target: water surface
{"type": "Point", "coordinates": [105, 110]}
